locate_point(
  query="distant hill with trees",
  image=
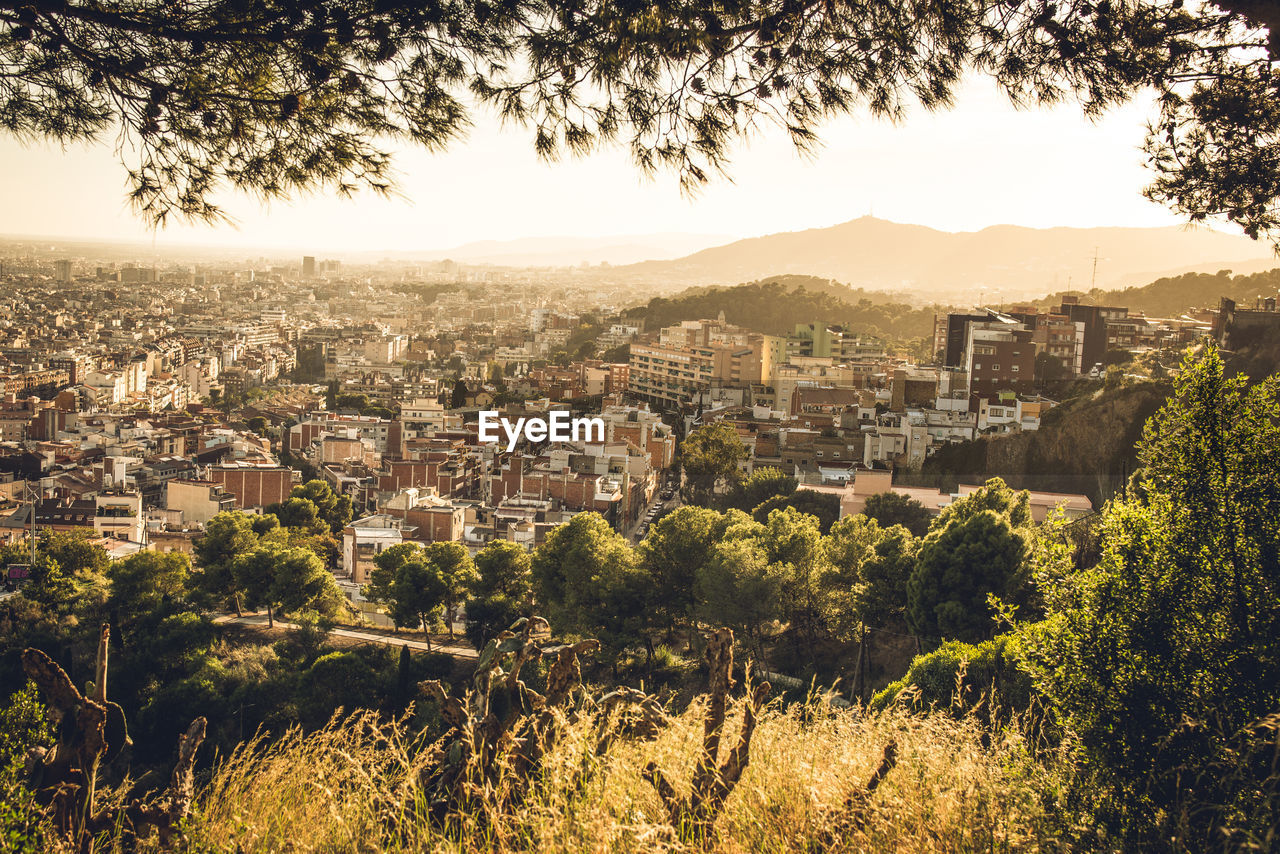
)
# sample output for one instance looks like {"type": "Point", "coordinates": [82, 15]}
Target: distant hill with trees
{"type": "Point", "coordinates": [1174, 295]}
{"type": "Point", "coordinates": [775, 305]}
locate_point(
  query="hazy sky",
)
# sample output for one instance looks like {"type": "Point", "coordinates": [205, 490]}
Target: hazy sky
{"type": "Point", "coordinates": [980, 164]}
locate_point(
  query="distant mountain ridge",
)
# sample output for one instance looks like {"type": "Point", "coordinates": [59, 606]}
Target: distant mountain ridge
{"type": "Point", "coordinates": [571, 251]}
{"type": "Point", "coordinates": [1009, 262]}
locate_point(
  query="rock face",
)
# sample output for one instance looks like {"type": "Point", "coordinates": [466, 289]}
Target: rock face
{"type": "Point", "coordinates": [1084, 447]}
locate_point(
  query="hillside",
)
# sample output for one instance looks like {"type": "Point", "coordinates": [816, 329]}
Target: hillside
{"type": "Point", "coordinates": [1018, 262]}
{"type": "Point", "coordinates": [1172, 295]}
{"type": "Point", "coordinates": [777, 304]}
{"type": "Point", "coordinates": [1085, 446]}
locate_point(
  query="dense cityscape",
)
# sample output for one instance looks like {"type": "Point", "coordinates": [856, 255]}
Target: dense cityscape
{"type": "Point", "coordinates": [140, 401]}
{"type": "Point", "coordinates": [295, 459]}
{"type": "Point", "coordinates": [508, 427]}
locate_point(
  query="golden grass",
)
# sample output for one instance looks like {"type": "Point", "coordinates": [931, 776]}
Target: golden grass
{"type": "Point", "coordinates": [343, 789]}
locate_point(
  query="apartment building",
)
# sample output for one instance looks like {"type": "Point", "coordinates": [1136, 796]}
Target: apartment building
{"type": "Point", "coordinates": [999, 356]}
{"type": "Point", "coordinates": [692, 357]}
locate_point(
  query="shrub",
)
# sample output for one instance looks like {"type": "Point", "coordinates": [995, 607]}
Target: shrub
{"type": "Point", "coordinates": [986, 670]}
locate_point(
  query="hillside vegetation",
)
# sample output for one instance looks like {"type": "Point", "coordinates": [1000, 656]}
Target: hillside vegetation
{"type": "Point", "coordinates": [774, 306]}
{"type": "Point", "coordinates": [1172, 296]}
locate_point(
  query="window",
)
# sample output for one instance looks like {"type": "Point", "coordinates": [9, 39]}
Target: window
{"type": "Point", "coordinates": [1014, 369]}
{"type": "Point", "coordinates": [977, 366]}
{"type": "Point", "coordinates": [995, 367]}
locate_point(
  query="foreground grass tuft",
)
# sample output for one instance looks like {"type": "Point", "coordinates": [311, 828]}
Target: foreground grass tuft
{"type": "Point", "coordinates": [351, 787]}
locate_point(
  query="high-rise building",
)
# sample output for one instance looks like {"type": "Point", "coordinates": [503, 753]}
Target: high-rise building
{"type": "Point", "coordinates": [64, 270]}
{"type": "Point", "coordinates": [951, 335]}
{"type": "Point", "coordinates": [999, 355]}
{"type": "Point", "coordinates": [1095, 319]}
{"type": "Point", "coordinates": [308, 266]}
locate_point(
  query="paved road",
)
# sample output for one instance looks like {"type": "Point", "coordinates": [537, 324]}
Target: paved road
{"type": "Point", "coordinates": [673, 504]}
{"type": "Point", "coordinates": [355, 634]}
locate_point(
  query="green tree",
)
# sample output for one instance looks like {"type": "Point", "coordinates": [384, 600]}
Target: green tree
{"type": "Point", "coordinates": [23, 727]}
{"type": "Point", "coordinates": [960, 565]}
{"type": "Point", "coordinates": [258, 425]}
{"type": "Point", "coordinates": [709, 457]}
{"type": "Point", "coordinates": [358, 402]}
{"type": "Point", "coordinates": [75, 551]}
{"type": "Point", "coordinates": [226, 536]}
{"type": "Point", "coordinates": [264, 523]}
{"type": "Point", "coordinates": [759, 486]}
{"type": "Point", "coordinates": [588, 580]}
{"type": "Point", "coordinates": [1049, 369]}
{"type": "Point", "coordinates": [146, 583]}
{"type": "Point", "coordinates": [617, 355]}
{"type": "Point", "coordinates": [297, 513]}
{"type": "Point", "coordinates": [336, 510]}
{"type": "Point", "coordinates": [1162, 656]}
{"type": "Point", "coordinates": [458, 570]}
{"type": "Point", "coordinates": [417, 594]}
{"type": "Point", "coordinates": [288, 579]}
{"type": "Point", "coordinates": [316, 539]}
{"type": "Point", "coordinates": [303, 584]}
{"type": "Point", "coordinates": [995, 495]}
{"type": "Point", "coordinates": [885, 575]}
{"type": "Point", "coordinates": [490, 615]}
{"type": "Point", "coordinates": [742, 589]}
{"type": "Point", "coordinates": [850, 542]}
{"type": "Point", "coordinates": [823, 506]}
{"type": "Point", "coordinates": [891, 508]}
{"type": "Point", "coordinates": [679, 86]}
{"type": "Point", "coordinates": [254, 572]}
{"type": "Point", "coordinates": [459, 397]}
{"type": "Point", "coordinates": [48, 584]}
{"type": "Point", "coordinates": [503, 568]}
{"type": "Point", "coordinates": [677, 546]}
{"type": "Point", "coordinates": [385, 564]}
{"type": "Point", "coordinates": [502, 591]}
{"type": "Point", "coordinates": [793, 544]}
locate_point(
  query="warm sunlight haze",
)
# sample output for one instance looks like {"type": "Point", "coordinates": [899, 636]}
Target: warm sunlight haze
{"type": "Point", "coordinates": [510, 427]}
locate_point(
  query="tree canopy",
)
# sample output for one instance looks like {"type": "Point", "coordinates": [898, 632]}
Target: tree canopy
{"type": "Point", "coordinates": [588, 582]}
{"type": "Point", "coordinates": [277, 96]}
{"type": "Point", "coordinates": [762, 484]}
{"type": "Point", "coordinates": [709, 458]}
{"type": "Point", "coordinates": [891, 508]}
{"type": "Point", "coordinates": [1162, 656]}
{"type": "Point", "coordinates": [977, 547]}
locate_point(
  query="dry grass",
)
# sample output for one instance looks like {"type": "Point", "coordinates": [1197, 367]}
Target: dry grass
{"type": "Point", "coordinates": [344, 789]}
